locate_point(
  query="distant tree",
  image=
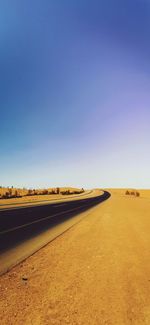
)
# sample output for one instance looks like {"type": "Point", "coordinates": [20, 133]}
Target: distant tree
{"type": "Point", "coordinates": [29, 192]}
{"type": "Point", "coordinates": [58, 190]}
{"type": "Point", "coordinates": [6, 195]}
{"type": "Point", "coordinates": [10, 192]}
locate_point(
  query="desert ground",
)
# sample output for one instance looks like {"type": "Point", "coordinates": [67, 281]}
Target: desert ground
{"type": "Point", "coordinates": [96, 273]}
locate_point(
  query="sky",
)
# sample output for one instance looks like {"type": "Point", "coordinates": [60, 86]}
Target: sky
{"type": "Point", "coordinates": [75, 93]}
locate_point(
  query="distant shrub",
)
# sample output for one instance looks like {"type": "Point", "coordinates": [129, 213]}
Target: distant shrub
{"type": "Point", "coordinates": [52, 192]}
{"type": "Point", "coordinates": [29, 193]}
{"type": "Point", "coordinates": [137, 194]}
{"type": "Point", "coordinates": [45, 192]}
{"type": "Point", "coordinates": [34, 192]}
{"type": "Point", "coordinates": [67, 192]}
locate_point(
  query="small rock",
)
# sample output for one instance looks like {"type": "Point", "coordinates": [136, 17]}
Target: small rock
{"type": "Point", "coordinates": [24, 278]}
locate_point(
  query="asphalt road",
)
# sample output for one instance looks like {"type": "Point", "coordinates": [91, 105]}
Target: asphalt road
{"type": "Point", "coordinates": [22, 224]}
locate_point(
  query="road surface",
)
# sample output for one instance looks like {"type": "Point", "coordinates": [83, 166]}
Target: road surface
{"type": "Point", "coordinates": [96, 273]}
{"type": "Point", "coordinates": [23, 230]}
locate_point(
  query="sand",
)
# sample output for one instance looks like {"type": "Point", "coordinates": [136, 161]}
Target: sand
{"type": "Point", "coordinates": [96, 273]}
{"type": "Point", "coordinates": [121, 191]}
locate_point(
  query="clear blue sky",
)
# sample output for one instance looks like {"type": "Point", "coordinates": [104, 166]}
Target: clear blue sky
{"type": "Point", "coordinates": [75, 93]}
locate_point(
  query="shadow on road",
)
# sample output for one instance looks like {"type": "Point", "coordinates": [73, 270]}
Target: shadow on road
{"type": "Point", "coordinates": [38, 214]}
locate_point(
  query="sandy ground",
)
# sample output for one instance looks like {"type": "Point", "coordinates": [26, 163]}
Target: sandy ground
{"type": "Point", "coordinates": [96, 273]}
{"type": "Point", "coordinates": [121, 191]}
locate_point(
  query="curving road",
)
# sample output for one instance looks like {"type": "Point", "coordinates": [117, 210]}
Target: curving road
{"type": "Point", "coordinates": [23, 230]}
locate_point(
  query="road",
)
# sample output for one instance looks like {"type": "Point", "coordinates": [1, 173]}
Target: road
{"type": "Point", "coordinates": [96, 273]}
{"type": "Point", "coordinates": [23, 230]}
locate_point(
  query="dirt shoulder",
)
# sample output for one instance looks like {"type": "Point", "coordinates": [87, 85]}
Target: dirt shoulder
{"type": "Point", "coordinates": [98, 272]}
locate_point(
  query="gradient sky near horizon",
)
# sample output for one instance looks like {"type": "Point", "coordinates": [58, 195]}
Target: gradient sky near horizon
{"type": "Point", "coordinates": [75, 93]}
